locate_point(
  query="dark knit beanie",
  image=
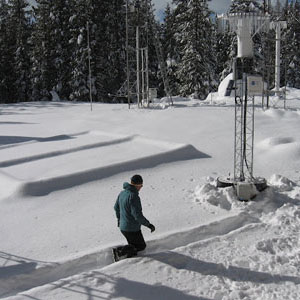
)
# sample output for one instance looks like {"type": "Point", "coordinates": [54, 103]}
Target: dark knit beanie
{"type": "Point", "coordinates": [137, 179]}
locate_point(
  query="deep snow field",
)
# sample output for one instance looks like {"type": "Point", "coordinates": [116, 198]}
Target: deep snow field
{"type": "Point", "coordinates": [63, 165]}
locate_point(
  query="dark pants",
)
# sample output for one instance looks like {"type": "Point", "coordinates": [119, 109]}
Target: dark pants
{"type": "Point", "coordinates": [135, 241]}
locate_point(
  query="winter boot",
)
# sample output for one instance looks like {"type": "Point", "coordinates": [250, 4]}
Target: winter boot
{"type": "Point", "coordinates": [115, 253]}
{"type": "Point", "coordinates": [118, 253]}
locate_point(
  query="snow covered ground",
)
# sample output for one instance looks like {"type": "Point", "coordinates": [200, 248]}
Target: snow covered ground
{"type": "Point", "coordinates": [63, 165]}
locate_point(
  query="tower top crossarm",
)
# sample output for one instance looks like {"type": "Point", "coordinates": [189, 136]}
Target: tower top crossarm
{"type": "Point", "coordinates": [256, 21]}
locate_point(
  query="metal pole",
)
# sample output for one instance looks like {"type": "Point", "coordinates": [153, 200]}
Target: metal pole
{"type": "Point", "coordinates": [252, 141]}
{"type": "Point", "coordinates": [242, 118]}
{"type": "Point", "coordinates": [138, 66]}
{"type": "Point", "coordinates": [147, 77]}
{"type": "Point", "coordinates": [285, 82]}
{"type": "Point", "coordinates": [143, 73]}
{"type": "Point", "coordinates": [277, 59]}
{"type": "Point", "coordinates": [235, 119]}
{"type": "Point", "coordinates": [127, 54]}
{"type": "Point", "coordinates": [89, 58]}
{"type": "Point", "coordinates": [148, 5]}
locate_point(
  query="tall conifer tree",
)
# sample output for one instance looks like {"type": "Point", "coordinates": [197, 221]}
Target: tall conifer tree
{"type": "Point", "coordinates": [171, 50]}
{"type": "Point", "coordinates": [196, 70]}
{"type": "Point", "coordinates": [19, 21]}
{"type": "Point", "coordinates": [6, 55]}
{"type": "Point", "coordinates": [43, 76]}
{"type": "Point", "coordinates": [61, 12]}
{"type": "Point", "coordinates": [79, 81]}
{"type": "Point", "coordinates": [106, 22]}
{"type": "Point", "coordinates": [291, 45]}
{"type": "Point", "coordinates": [115, 51]}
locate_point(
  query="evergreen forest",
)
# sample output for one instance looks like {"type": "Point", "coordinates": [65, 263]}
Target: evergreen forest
{"type": "Point", "coordinates": [74, 47]}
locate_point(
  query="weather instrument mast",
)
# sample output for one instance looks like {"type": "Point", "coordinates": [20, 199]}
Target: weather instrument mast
{"type": "Point", "coordinates": [246, 86]}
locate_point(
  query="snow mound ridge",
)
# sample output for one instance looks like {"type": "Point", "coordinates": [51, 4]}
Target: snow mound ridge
{"type": "Point", "coordinates": [47, 185]}
{"type": "Point", "coordinates": [8, 185]}
{"type": "Point", "coordinates": [50, 154]}
{"type": "Point", "coordinates": [35, 274]}
{"type": "Point", "coordinates": [275, 141]}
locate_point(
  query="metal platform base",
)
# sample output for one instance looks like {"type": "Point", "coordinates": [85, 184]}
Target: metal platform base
{"type": "Point", "coordinates": [245, 190]}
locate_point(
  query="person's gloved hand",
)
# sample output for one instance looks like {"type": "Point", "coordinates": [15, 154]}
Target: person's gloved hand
{"type": "Point", "coordinates": [151, 227]}
{"type": "Point", "coordinates": [118, 222]}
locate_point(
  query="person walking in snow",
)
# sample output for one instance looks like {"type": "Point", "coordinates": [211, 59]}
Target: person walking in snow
{"type": "Point", "coordinates": [130, 217]}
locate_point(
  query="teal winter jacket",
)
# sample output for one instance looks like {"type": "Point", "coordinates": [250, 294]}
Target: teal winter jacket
{"type": "Point", "coordinates": [128, 209]}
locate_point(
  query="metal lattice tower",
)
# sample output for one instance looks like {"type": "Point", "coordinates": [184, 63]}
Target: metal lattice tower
{"type": "Point", "coordinates": [139, 20]}
{"type": "Point", "coordinates": [246, 25]}
{"type": "Point", "coordinates": [137, 83]}
{"type": "Point", "coordinates": [244, 128]}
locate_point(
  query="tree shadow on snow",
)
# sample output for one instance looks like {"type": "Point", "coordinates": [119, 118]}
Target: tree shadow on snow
{"type": "Point", "coordinates": [137, 290]}
{"type": "Point", "coordinates": [17, 273]}
{"type": "Point", "coordinates": [118, 287]}
{"type": "Point", "coordinates": [11, 265]}
{"type": "Point", "coordinates": [15, 123]}
{"type": "Point", "coordinates": [180, 261]}
{"type": "Point", "coordinates": [21, 268]}
{"type": "Point", "coordinates": [8, 140]}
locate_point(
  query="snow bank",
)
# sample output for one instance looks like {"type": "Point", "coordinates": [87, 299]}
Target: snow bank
{"type": "Point", "coordinates": [282, 183]}
{"type": "Point", "coordinates": [209, 193]}
{"type": "Point", "coordinates": [265, 202]}
{"type": "Point", "coordinates": [279, 148]}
